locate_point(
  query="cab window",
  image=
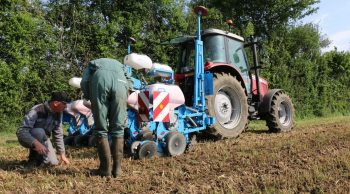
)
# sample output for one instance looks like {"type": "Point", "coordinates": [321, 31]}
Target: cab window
{"type": "Point", "coordinates": [214, 49]}
{"type": "Point", "coordinates": [236, 55]}
{"type": "Point", "coordinates": [186, 58]}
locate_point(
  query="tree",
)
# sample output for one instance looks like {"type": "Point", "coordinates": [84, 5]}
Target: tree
{"type": "Point", "coordinates": [27, 73]}
{"type": "Point", "coordinates": [266, 16]}
{"type": "Point", "coordinates": [338, 80]}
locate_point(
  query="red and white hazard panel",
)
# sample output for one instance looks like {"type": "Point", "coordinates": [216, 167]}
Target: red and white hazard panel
{"type": "Point", "coordinates": [161, 106]}
{"type": "Point", "coordinates": [144, 106]}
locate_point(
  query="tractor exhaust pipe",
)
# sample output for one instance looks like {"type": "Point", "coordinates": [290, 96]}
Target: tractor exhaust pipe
{"type": "Point", "coordinates": [253, 43]}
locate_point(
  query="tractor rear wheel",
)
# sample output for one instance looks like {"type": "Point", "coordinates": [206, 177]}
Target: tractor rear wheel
{"type": "Point", "coordinates": [281, 115]}
{"type": "Point", "coordinates": [229, 106]}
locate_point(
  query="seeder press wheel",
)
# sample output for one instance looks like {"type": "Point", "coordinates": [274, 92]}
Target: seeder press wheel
{"type": "Point", "coordinates": [147, 150]}
{"type": "Point", "coordinates": [134, 147]}
{"type": "Point", "coordinates": [175, 143]}
{"type": "Point", "coordinates": [146, 135]}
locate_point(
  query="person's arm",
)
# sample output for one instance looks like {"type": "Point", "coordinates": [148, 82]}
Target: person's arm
{"type": "Point", "coordinates": [63, 158]}
{"type": "Point", "coordinates": [129, 82]}
{"type": "Point", "coordinates": [58, 137]}
{"type": "Point", "coordinates": [39, 147]}
{"type": "Point", "coordinates": [27, 124]}
{"type": "Point", "coordinates": [24, 135]}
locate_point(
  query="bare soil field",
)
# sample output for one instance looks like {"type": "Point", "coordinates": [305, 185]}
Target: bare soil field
{"type": "Point", "coordinates": [313, 158]}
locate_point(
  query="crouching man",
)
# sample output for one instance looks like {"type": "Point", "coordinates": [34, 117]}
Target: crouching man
{"type": "Point", "coordinates": [36, 128]}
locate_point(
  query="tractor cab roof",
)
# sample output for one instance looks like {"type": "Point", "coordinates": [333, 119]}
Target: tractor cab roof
{"type": "Point", "coordinates": [210, 31]}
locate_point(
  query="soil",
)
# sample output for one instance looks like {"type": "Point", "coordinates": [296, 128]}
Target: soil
{"type": "Point", "coordinates": [312, 158]}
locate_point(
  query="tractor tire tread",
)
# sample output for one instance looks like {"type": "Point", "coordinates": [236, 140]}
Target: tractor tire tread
{"type": "Point", "coordinates": [212, 129]}
{"type": "Point", "coordinates": [272, 121]}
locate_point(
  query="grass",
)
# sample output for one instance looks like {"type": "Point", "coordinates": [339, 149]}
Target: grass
{"type": "Point", "coordinates": [8, 140]}
{"type": "Point", "coordinates": [323, 120]}
{"type": "Point", "coordinates": [260, 124]}
{"type": "Point", "coordinates": [313, 158]}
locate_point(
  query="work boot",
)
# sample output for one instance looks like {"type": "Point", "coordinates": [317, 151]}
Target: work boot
{"type": "Point", "coordinates": [34, 159]}
{"type": "Point", "coordinates": [104, 154]}
{"type": "Point", "coordinates": [117, 154]}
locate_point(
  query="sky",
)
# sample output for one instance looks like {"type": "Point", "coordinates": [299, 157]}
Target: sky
{"type": "Point", "coordinates": [333, 18]}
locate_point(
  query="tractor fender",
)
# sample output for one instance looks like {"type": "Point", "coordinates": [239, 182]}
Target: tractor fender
{"type": "Point", "coordinates": [227, 68]}
{"type": "Point", "coordinates": [265, 105]}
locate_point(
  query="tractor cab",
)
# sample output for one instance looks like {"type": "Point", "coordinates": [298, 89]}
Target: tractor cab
{"type": "Point", "coordinates": [218, 46]}
{"type": "Point", "coordinates": [223, 52]}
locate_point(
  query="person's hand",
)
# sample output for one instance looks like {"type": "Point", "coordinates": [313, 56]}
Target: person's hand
{"type": "Point", "coordinates": [87, 103]}
{"type": "Point", "coordinates": [40, 148]}
{"type": "Point", "coordinates": [64, 159]}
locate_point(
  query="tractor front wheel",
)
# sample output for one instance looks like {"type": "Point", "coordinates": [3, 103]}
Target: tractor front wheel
{"type": "Point", "coordinates": [229, 106]}
{"type": "Point", "coordinates": [281, 115]}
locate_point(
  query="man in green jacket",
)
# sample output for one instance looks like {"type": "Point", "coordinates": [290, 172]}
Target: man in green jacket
{"type": "Point", "coordinates": [105, 84]}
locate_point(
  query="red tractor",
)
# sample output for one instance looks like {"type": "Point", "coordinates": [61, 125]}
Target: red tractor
{"type": "Point", "coordinates": [239, 94]}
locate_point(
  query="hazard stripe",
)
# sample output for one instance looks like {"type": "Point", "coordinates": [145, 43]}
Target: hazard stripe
{"type": "Point", "coordinates": [158, 102]}
{"type": "Point", "coordinates": [144, 105]}
{"type": "Point", "coordinates": [143, 117]}
{"type": "Point", "coordinates": [161, 106]}
{"type": "Point", "coordinates": [158, 98]}
{"type": "Point", "coordinates": [164, 115]}
{"type": "Point", "coordinates": [144, 98]}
